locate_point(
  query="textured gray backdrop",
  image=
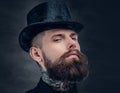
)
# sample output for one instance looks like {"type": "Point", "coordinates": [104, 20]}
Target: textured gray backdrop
{"type": "Point", "coordinates": [99, 40]}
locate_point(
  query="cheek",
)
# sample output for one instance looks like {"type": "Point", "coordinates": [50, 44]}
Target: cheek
{"type": "Point", "coordinates": [53, 52]}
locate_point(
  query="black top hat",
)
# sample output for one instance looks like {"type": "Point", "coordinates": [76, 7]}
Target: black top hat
{"type": "Point", "coordinates": [46, 16]}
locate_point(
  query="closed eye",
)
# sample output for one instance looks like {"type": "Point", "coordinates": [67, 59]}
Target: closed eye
{"type": "Point", "coordinates": [74, 38]}
{"type": "Point", "coordinates": [57, 39]}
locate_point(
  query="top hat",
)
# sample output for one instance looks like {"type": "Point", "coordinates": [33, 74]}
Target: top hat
{"type": "Point", "coordinates": [46, 16]}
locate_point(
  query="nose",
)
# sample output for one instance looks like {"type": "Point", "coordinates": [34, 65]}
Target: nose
{"type": "Point", "coordinates": [71, 44]}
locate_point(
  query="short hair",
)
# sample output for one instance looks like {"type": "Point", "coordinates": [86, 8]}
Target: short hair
{"type": "Point", "coordinates": [37, 40]}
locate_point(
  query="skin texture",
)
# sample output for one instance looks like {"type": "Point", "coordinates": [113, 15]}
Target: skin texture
{"type": "Point", "coordinates": [55, 43]}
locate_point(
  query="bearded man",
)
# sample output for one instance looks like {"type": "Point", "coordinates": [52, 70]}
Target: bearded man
{"type": "Point", "coordinates": [51, 39]}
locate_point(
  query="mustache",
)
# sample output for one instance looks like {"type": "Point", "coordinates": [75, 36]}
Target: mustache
{"type": "Point", "coordinates": [76, 52]}
{"type": "Point", "coordinates": [72, 52]}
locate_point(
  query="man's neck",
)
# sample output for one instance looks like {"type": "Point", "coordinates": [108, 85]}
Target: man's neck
{"type": "Point", "coordinates": [55, 84]}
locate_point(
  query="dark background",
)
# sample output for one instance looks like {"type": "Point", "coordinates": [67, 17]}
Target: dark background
{"type": "Point", "coordinates": [99, 40]}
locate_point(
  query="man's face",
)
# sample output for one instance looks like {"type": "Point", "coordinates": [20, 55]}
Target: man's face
{"type": "Point", "coordinates": [62, 55]}
{"type": "Point", "coordinates": [56, 42]}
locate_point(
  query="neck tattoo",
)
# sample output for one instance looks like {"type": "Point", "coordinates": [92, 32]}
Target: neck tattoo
{"type": "Point", "coordinates": [55, 84]}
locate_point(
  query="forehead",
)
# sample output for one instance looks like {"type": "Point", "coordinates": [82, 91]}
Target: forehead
{"type": "Point", "coordinates": [59, 31]}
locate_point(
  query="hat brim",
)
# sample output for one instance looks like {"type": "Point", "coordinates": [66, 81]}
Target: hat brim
{"type": "Point", "coordinates": [28, 33]}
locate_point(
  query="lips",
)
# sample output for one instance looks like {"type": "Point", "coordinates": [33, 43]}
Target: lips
{"type": "Point", "coordinates": [72, 54]}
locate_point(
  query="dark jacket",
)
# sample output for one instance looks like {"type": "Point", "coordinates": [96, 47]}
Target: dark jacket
{"type": "Point", "coordinates": [42, 87]}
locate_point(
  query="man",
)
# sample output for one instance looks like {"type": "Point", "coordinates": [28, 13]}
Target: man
{"type": "Point", "coordinates": [51, 39]}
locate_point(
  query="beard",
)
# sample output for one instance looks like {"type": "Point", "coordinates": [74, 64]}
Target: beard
{"type": "Point", "coordinates": [73, 70]}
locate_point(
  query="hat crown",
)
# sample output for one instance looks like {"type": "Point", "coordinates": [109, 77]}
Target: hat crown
{"type": "Point", "coordinates": [49, 12]}
{"type": "Point", "coordinates": [49, 15]}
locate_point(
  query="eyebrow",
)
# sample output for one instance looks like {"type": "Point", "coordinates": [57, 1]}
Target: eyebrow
{"type": "Point", "coordinates": [61, 35]}
{"type": "Point", "coordinates": [57, 35]}
{"type": "Point", "coordinates": [74, 34]}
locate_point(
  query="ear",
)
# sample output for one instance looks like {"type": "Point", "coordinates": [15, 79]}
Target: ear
{"type": "Point", "coordinates": [35, 53]}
